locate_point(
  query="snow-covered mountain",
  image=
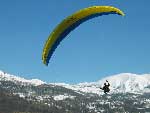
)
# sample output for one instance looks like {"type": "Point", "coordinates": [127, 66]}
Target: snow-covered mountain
{"type": "Point", "coordinates": [120, 83]}
{"type": "Point", "coordinates": [129, 93]}
{"type": "Point", "coordinates": [124, 82]}
{"type": "Point", "coordinates": [8, 77]}
{"type": "Point", "coordinates": [127, 82]}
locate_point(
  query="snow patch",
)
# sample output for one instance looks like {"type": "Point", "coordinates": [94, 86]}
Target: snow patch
{"type": "Point", "coordinates": [62, 97]}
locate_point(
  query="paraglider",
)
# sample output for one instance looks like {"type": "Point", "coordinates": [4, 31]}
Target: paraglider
{"type": "Point", "coordinates": [70, 23]}
{"type": "Point", "coordinates": [106, 87]}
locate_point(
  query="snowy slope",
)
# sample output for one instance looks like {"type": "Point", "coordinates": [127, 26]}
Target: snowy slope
{"type": "Point", "coordinates": [128, 82]}
{"type": "Point", "coordinates": [7, 77]}
{"type": "Point", "coordinates": [124, 82]}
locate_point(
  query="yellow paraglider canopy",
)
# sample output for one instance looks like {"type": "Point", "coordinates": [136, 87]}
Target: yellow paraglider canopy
{"type": "Point", "coordinates": [70, 23]}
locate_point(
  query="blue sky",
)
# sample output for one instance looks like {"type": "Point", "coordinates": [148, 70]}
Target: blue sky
{"type": "Point", "coordinates": [99, 47]}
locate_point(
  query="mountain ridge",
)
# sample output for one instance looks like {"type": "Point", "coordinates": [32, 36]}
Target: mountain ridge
{"type": "Point", "coordinates": [8, 77]}
{"type": "Point", "coordinates": [123, 82]}
{"type": "Point", "coordinates": [84, 97]}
